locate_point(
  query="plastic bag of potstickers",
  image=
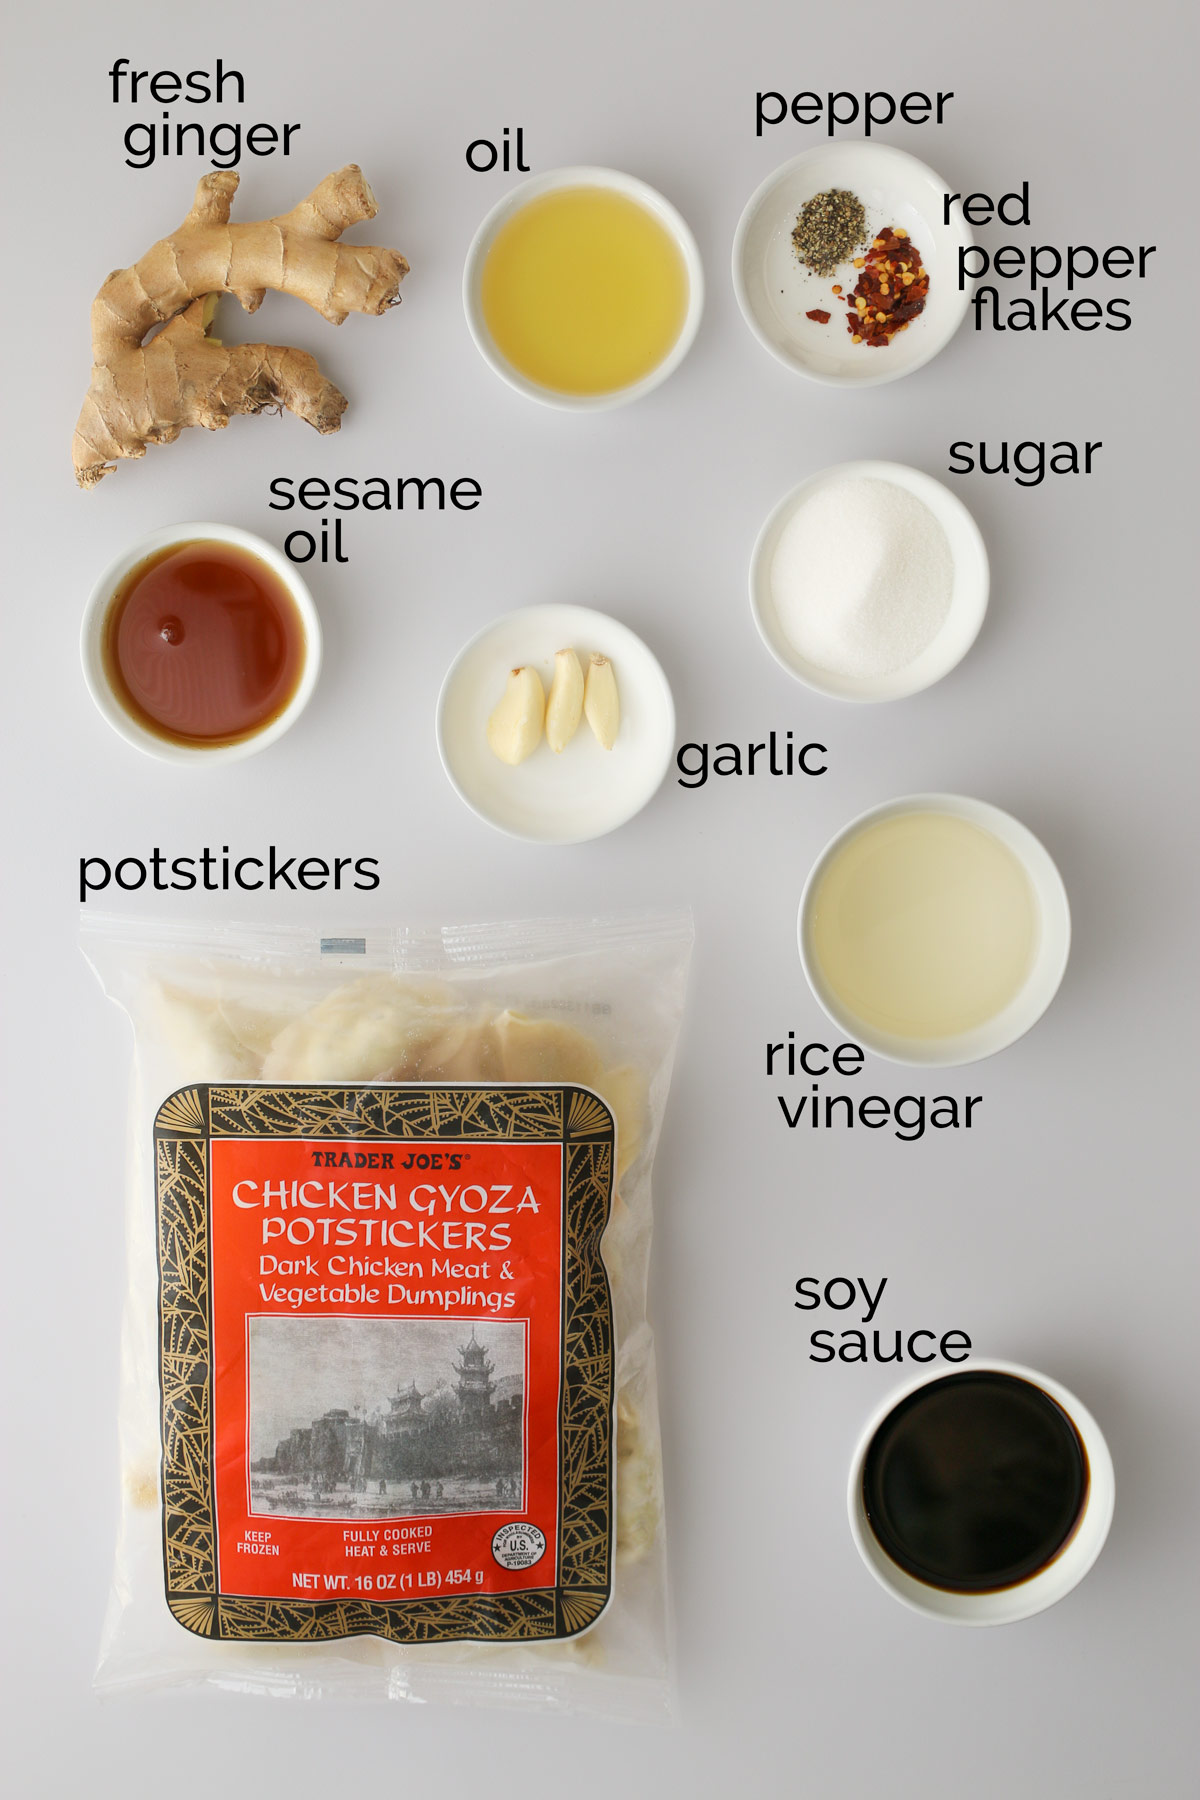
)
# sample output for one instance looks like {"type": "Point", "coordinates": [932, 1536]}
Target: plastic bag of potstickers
{"type": "Point", "coordinates": [388, 1417]}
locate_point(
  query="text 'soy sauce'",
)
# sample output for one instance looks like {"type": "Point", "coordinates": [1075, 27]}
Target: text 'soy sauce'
{"type": "Point", "coordinates": [203, 644]}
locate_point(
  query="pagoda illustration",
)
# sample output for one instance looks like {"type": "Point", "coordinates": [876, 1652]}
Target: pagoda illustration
{"type": "Point", "coordinates": [475, 1385]}
{"type": "Point", "coordinates": [477, 1436]}
{"type": "Point", "coordinates": [405, 1414]}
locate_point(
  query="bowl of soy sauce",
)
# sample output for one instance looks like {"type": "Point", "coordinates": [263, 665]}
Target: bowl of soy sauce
{"type": "Point", "coordinates": [981, 1496]}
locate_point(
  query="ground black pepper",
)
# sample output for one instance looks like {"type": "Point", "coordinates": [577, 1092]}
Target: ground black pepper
{"type": "Point", "coordinates": [831, 226]}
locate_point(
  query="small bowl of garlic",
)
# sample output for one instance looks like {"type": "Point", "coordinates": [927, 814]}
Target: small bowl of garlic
{"type": "Point", "coordinates": [556, 724]}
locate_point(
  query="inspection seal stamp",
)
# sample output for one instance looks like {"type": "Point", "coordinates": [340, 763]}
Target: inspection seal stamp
{"type": "Point", "coordinates": [518, 1546]}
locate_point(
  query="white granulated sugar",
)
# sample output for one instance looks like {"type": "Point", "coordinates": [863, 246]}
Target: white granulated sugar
{"type": "Point", "coordinates": [862, 577]}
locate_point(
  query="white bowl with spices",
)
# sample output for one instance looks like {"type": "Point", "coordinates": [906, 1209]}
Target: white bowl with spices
{"type": "Point", "coordinates": [776, 291]}
{"type": "Point", "coordinates": [869, 581]}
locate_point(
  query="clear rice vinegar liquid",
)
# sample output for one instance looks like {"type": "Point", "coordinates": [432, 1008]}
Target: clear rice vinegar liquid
{"type": "Point", "coordinates": [924, 925]}
{"type": "Point", "coordinates": [584, 291]}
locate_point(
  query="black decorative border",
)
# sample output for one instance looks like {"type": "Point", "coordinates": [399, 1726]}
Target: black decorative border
{"type": "Point", "coordinates": [572, 1116]}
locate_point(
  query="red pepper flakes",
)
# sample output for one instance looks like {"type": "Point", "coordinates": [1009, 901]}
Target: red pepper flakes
{"type": "Point", "coordinates": [892, 289]}
{"type": "Point", "coordinates": [822, 318]}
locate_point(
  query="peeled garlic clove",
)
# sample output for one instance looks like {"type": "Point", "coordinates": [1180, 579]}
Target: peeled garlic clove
{"type": "Point", "coordinates": [601, 707]}
{"type": "Point", "coordinates": [515, 728]}
{"type": "Point", "coordinates": [564, 708]}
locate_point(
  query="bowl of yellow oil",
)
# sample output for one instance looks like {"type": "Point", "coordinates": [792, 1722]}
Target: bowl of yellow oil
{"type": "Point", "coordinates": [934, 929]}
{"type": "Point", "coordinates": [583, 288]}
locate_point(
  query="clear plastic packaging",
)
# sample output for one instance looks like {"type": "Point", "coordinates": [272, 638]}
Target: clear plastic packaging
{"type": "Point", "coordinates": [239, 1014]}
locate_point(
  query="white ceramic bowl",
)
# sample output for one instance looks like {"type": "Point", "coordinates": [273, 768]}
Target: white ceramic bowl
{"type": "Point", "coordinates": [968, 596]}
{"type": "Point", "coordinates": [1024, 1598]}
{"type": "Point", "coordinates": [775, 290]}
{"type": "Point", "coordinates": [585, 790]}
{"type": "Point", "coordinates": [582, 176]}
{"type": "Point", "coordinates": [1050, 954]}
{"type": "Point", "coordinates": [91, 644]}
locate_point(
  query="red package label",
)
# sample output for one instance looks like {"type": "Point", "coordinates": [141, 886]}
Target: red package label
{"type": "Point", "coordinates": [380, 1344]}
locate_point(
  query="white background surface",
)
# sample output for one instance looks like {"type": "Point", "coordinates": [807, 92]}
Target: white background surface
{"type": "Point", "coordinates": [1059, 1232]}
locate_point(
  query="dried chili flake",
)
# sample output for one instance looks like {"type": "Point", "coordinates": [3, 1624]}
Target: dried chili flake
{"type": "Point", "coordinates": [819, 315]}
{"type": "Point", "coordinates": [891, 290]}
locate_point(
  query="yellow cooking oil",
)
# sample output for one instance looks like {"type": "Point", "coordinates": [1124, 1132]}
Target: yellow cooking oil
{"type": "Point", "coordinates": [924, 925]}
{"type": "Point", "coordinates": [584, 291]}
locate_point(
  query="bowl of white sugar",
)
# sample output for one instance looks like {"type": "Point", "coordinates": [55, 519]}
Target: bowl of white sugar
{"type": "Point", "coordinates": [869, 581]}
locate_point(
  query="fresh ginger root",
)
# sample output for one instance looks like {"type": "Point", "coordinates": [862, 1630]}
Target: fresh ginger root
{"type": "Point", "coordinates": [146, 393]}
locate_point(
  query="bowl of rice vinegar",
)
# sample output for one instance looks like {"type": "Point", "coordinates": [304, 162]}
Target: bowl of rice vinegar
{"type": "Point", "coordinates": [934, 929]}
{"type": "Point", "coordinates": [583, 288]}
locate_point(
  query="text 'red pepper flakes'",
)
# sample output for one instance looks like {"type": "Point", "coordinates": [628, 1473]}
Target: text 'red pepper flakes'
{"type": "Point", "coordinates": [891, 290]}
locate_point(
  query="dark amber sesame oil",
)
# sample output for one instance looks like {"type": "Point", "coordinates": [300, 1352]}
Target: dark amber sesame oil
{"type": "Point", "coordinates": [975, 1482]}
{"type": "Point", "coordinates": [203, 644]}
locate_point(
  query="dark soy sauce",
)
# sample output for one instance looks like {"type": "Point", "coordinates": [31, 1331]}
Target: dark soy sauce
{"type": "Point", "coordinates": [975, 1482]}
{"type": "Point", "coordinates": [203, 644]}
